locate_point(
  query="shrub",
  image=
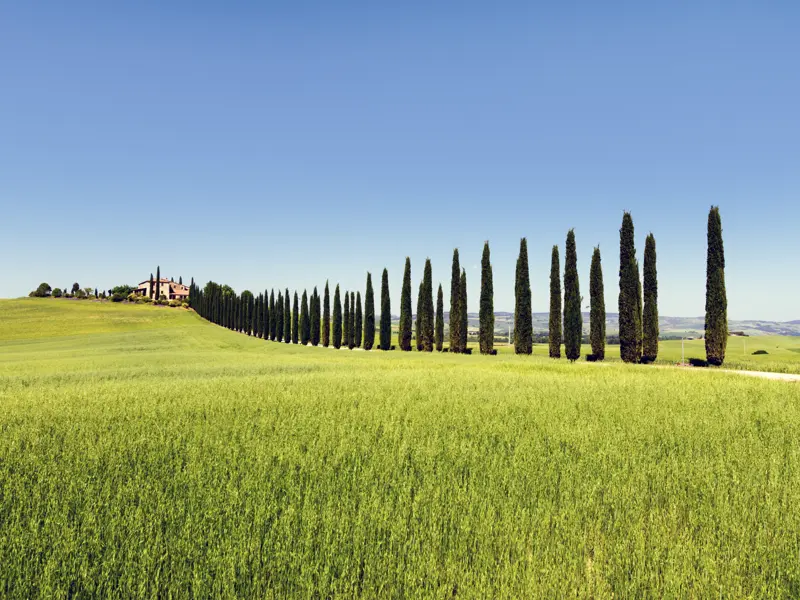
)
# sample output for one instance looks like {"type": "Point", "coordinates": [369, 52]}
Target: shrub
{"type": "Point", "coordinates": [117, 297]}
{"type": "Point", "coordinates": [591, 357]}
{"type": "Point", "coordinates": [184, 305]}
{"type": "Point", "coordinates": [122, 290]}
{"type": "Point", "coordinates": [759, 352]}
{"type": "Point", "coordinates": [698, 362]}
{"type": "Point", "coordinates": [43, 291]}
{"type": "Point", "coordinates": [646, 360]}
{"type": "Point", "coordinates": [174, 303]}
{"type": "Point", "coordinates": [57, 293]}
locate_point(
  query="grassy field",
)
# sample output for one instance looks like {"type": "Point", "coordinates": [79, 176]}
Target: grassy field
{"type": "Point", "coordinates": [145, 452]}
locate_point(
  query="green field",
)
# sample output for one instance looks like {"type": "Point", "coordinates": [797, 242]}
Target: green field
{"type": "Point", "coordinates": [145, 452]}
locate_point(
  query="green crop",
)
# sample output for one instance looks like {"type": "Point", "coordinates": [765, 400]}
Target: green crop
{"type": "Point", "coordinates": [145, 452]}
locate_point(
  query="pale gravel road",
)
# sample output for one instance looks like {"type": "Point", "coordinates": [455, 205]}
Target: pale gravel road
{"type": "Point", "coordinates": [766, 375]}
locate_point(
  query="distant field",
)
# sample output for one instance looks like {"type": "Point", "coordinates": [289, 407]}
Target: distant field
{"type": "Point", "coordinates": [145, 452]}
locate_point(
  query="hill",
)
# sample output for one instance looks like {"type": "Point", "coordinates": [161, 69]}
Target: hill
{"type": "Point", "coordinates": [147, 453]}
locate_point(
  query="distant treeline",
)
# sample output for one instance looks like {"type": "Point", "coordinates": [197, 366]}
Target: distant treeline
{"type": "Point", "coordinates": [310, 319]}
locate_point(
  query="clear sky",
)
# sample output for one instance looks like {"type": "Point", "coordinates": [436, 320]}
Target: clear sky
{"type": "Point", "coordinates": [276, 144]}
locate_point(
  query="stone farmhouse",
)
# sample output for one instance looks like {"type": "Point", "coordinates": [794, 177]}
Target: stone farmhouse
{"type": "Point", "coordinates": [169, 289]}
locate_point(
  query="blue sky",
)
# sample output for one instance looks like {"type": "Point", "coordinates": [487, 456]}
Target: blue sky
{"type": "Point", "coordinates": [282, 144]}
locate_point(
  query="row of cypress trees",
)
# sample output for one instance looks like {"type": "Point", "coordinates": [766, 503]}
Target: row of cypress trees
{"type": "Point", "coordinates": [310, 321]}
{"type": "Point", "coordinates": [638, 327]}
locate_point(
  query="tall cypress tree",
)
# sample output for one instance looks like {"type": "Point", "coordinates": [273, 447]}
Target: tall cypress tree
{"type": "Point", "coordinates": [346, 320]}
{"type": "Point", "coordinates": [629, 314]}
{"type": "Point", "coordinates": [326, 317]}
{"type": "Point", "coordinates": [295, 319]}
{"type": "Point", "coordinates": [716, 327]}
{"type": "Point", "coordinates": [573, 319]}
{"type": "Point", "coordinates": [418, 320]}
{"type": "Point", "coordinates": [650, 314]}
{"type": "Point", "coordinates": [555, 305]}
{"type": "Point", "coordinates": [316, 318]}
{"type": "Point", "coordinates": [257, 317]}
{"type": "Point", "coordinates": [486, 316]}
{"type": "Point", "coordinates": [265, 317]}
{"type": "Point", "coordinates": [358, 325]}
{"type": "Point", "coordinates": [287, 317]}
{"type": "Point", "coordinates": [404, 333]}
{"type": "Point", "coordinates": [305, 322]}
{"type": "Point", "coordinates": [523, 314]}
{"type": "Point", "coordinates": [463, 324]}
{"type": "Point", "coordinates": [425, 314]}
{"type": "Point", "coordinates": [386, 314]}
{"type": "Point", "coordinates": [272, 314]}
{"type": "Point", "coordinates": [439, 335]}
{"type": "Point", "coordinates": [152, 289]}
{"type": "Point", "coordinates": [158, 282]}
{"type": "Point", "coordinates": [351, 326]}
{"type": "Point", "coordinates": [597, 319]}
{"type": "Point", "coordinates": [337, 319]}
{"type": "Point", "coordinates": [278, 312]}
{"type": "Point", "coordinates": [369, 315]}
{"type": "Point", "coordinates": [455, 288]}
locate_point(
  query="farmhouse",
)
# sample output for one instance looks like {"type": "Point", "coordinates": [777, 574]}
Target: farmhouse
{"type": "Point", "coordinates": [169, 289]}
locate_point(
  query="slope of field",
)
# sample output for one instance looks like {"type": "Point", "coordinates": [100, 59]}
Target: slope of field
{"type": "Point", "coordinates": [158, 455]}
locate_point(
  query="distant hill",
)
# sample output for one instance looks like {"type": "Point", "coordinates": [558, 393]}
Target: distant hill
{"type": "Point", "coordinates": [690, 326]}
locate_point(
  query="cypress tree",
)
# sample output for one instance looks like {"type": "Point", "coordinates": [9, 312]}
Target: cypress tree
{"type": "Point", "coordinates": [337, 319]}
{"type": "Point", "coordinates": [257, 318]}
{"type": "Point", "coordinates": [650, 314]}
{"type": "Point", "coordinates": [629, 314]}
{"type": "Point", "coordinates": [455, 288]}
{"type": "Point", "coordinates": [346, 320]}
{"type": "Point", "coordinates": [463, 325]}
{"type": "Point", "coordinates": [351, 321]}
{"type": "Point", "coordinates": [573, 319]}
{"type": "Point", "coordinates": [279, 317]}
{"type": "Point", "coordinates": [439, 335]}
{"type": "Point", "coordinates": [716, 327]}
{"type": "Point", "coordinates": [425, 314]}
{"type": "Point", "coordinates": [359, 323]}
{"type": "Point", "coordinates": [305, 322]}
{"type": "Point", "coordinates": [152, 289]}
{"type": "Point", "coordinates": [326, 318]}
{"type": "Point", "coordinates": [295, 320]}
{"type": "Point", "coordinates": [555, 305]}
{"type": "Point", "coordinates": [597, 319]}
{"type": "Point", "coordinates": [265, 318]}
{"type": "Point", "coordinates": [418, 320]}
{"type": "Point", "coordinates": [272, 315]}
{"type": "Point", "coordinates": [404, 333]}
{"type": "Point", "coordinates": [316, 318]}
{"type": "Point", "coordinates": [486, 316]}
{"type": "Point", "coordinates": [369, 315]}
{"type": "Point", "coordinates": [523, 314]}
{"type": "Point", "coordinates": [287, 317]}
{"type": "Point", "coordinates": [158, 282]}
{"type": "Point", "coordinates": [386, 314]}
{"type": "Point", "coordinates": [247, 312]}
